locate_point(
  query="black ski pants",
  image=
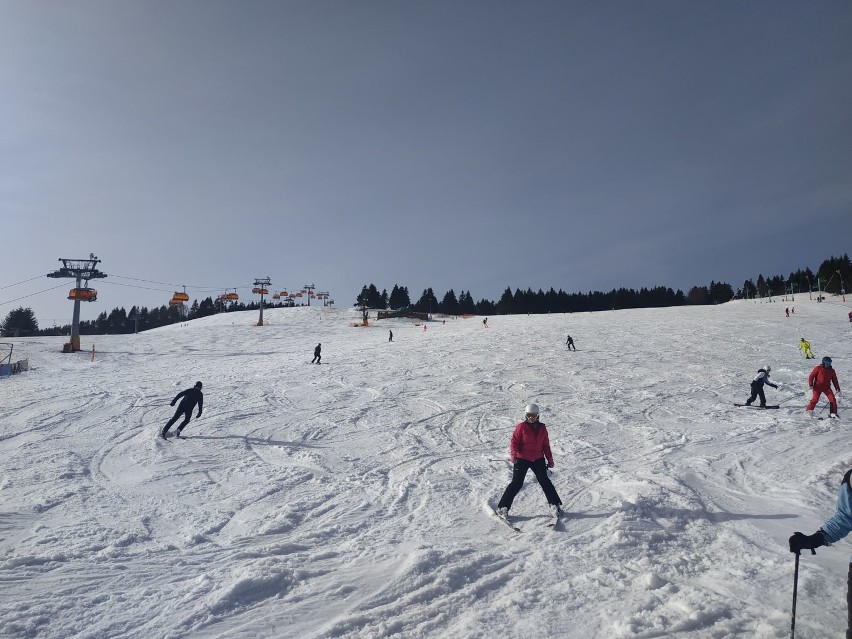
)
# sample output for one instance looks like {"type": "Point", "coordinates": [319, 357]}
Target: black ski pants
{"type": "Point", "coordinates": [186, 411]}
{"type": "Point", "coordinates": [519, 472]}
{"type": "Point", "coordinates": [757, 391]}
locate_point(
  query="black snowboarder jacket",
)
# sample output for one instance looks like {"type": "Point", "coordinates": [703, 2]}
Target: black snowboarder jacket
{"type": "Point", "coordinates": [191, 397]}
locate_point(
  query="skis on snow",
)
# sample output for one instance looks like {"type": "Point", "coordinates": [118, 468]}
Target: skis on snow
{"type": "Point", "coordinates": [505, 519]}
{"type": "Point", "coordinates": [553, 519]}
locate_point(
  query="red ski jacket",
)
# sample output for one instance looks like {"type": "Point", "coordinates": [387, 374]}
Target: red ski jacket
{"type": "Point", "coordinates": [821, 378]}
{"type": "Point", "coordinates": [530, 442]}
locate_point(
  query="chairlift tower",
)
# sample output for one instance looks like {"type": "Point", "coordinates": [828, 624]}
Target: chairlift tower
{"type": "Point", "coordinates": [261, 285]}
{"type": "Point", "coordinates": [310, 289]}
{"type": "Point", "coordinates": [80, 270]}
{"type": "Point", "coordinates": [323, 295]}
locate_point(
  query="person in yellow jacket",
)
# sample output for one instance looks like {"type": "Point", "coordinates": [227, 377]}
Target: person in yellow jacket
{"type": "Point", "coordinates": [805, 347]}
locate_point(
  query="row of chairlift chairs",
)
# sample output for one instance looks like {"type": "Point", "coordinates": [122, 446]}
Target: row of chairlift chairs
{"type": "Point", "coordinates": [285, 295]}
{"type": "Point", "coordinates": [87, 294]}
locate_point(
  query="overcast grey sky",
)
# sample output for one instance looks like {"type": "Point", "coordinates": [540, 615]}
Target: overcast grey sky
{"type": "Point", "coordinates": [458, 144]}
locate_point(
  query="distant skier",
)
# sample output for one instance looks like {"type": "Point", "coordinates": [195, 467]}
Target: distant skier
{"type": "Point", "coordinates": [850, 316]}
{"type": "Point", "coordinates": [390, 336]}
{"type": "Point", "coordinates": [832, 530]}
{"type": "Point", "coordinates": [191, 397]}
{"type": "Point", "coordinates": [820, 380]}
{"type": "Point", "coordinates": [529, 447]}
{"type": "Point", "coordinates": [787, 310]}
{"type": "Point", "coordinates": [570, 344]}
{"type": "Point", "coordinates": [805, 347]}
{"type": "Point", "coordinates": [757, 386]}
{"type": "Point", "coordinates": [317, 354]}
{"type": "Point", "coordinates": [485, 322]}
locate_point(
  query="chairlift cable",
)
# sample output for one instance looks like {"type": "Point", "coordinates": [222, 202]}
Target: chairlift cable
{"type": "Point", "coordinates": [23, 282]}
{"type": "Point", "coordinates": [63, 285]}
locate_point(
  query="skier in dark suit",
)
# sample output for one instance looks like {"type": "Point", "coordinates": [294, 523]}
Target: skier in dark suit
{"type": "Point", "coordinates": [191, 397]}
{"type": "Point", "coordinates": [570, 344]}
{"type": "Point", "coordinates": [317, 354]}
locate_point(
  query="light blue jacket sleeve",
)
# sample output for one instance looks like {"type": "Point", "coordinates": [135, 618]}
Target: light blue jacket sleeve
{"type": "Point", "coordinates": [840, 524]}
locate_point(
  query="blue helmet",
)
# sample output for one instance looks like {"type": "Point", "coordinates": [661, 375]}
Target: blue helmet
{"type": "Point", "coordinates": [826, 361]}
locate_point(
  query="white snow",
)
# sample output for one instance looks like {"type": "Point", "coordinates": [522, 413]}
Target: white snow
{"type": "Point", "coordinates": [351, 499]}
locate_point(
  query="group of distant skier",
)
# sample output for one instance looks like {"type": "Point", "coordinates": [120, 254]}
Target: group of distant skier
{"type": "Point", "coordinates": [820, 381]}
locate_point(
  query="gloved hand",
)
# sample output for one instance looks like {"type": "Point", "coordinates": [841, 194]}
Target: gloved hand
{"type": "Point", "coordinates": [800, 541]}
{"type": "Point", "coordinates": [512, 460]}
{"type": "Point", "coordinates": [172, 404]}
{"type": "Point", "coordinates": [550, 464]}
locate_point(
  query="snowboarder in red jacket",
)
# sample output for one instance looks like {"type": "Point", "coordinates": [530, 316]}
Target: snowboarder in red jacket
{"type": "Point", "coordinates": [529, 448]}
{"type": "Point", "coordinates": [820, 380]}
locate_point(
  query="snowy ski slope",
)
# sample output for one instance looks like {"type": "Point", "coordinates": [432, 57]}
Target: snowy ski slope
{"type": "Point", "coordinates": [351, 499]}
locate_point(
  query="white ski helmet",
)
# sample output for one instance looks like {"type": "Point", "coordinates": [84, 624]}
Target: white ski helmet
{"type": "Point", "coordinates": [767, 368]}
{"type": "Point", "coordinates": [531, 409]}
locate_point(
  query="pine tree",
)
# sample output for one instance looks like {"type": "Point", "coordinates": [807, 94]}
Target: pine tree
{"type": "Point", "coordinates": [466, 304]}
{"type": "Point", "coordinates": [449, 305]}
{"type": "Point", "coordinates": [504, 305]}
{"type": "Point", "coordinates": [21, 321]}
{"type": "Point", "coordinates": [427, 303]}
{"type": "Point", "coordinates": [762, 288]}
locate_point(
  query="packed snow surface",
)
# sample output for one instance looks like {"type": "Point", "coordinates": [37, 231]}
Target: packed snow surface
{"type": "Point", "coordinates": [352, 499]}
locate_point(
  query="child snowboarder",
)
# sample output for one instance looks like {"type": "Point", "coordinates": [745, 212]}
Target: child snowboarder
{"type": "Point", "coordinates": [191, 397]}
{"type": "Point", "coordinates": [757, 386]}
{"type": "Point", "coordinates": [529, 448]}
{"type": "Point", "coordinates": [820, 380]}
{"type": "Point", "coordinates": [805, 347]}
{"type": "Point", "coordinates": [317, 354]}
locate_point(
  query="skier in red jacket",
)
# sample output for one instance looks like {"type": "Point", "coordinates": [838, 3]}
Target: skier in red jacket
{"type": "Point", "coordinates": [529, 448]}
{"type": "Point", "coordinates": [820, 380]}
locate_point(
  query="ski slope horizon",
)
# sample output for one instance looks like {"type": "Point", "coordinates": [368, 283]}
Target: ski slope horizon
{"type": "Point", "coordinates": [352, 499]}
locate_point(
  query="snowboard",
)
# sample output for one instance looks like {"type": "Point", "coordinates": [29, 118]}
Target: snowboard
{"type": "Point", "coordinates": [760, 407]}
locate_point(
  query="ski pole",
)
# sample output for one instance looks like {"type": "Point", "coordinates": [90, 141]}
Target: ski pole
{"type": "Point", "coordinates": [789, 398]}
{"type": "Point", "coordinates": [795, 592]}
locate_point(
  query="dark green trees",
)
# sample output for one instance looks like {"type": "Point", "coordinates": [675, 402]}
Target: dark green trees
{"type": "Point", "coordinates": [20, 322]}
